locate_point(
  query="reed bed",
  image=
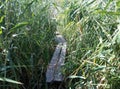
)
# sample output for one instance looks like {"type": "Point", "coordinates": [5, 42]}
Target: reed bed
{"type": "Point", "coordinates": [26, 43]}
{"type": "Point", "coordinates": [91, 28]}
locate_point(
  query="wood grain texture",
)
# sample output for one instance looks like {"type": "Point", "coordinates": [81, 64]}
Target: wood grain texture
{"type": "Point", "coordinates": [58, 75]}
{"type": "Point", "coordinates": [54, 68]}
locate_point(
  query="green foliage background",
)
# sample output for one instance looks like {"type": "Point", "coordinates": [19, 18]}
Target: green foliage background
{"type": "Point", "coordinates": [92, 30]}
{"type": "Point", "coordinates": [26, 43]}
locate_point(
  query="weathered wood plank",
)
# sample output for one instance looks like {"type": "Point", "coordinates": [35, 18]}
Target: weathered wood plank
{"type": "Point", "coordinates": [56, 54]}
{"type": "Point", "coordinates": [60, 39]}
{"type": "Point", "coordinates": [51, 67]}
{"type": "Point", "coordinates": [54, 69]}
{"type": "Point", "coordinates": [62, 55]}
{"type": "Point", "coordinates": [58, 75]}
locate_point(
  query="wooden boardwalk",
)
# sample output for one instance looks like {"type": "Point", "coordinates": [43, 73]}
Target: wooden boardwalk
{"type": "Point", "coordinates": [54, 68]}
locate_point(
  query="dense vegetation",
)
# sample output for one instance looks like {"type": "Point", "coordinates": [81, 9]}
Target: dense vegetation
{"type": "Point", "coordinates": [26, 43]}
{"type": "Point", "coordinates": [92, 32]}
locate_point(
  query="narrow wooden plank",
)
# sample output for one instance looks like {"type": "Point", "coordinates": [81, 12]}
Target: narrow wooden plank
{"type": "Point", "coordinates": [56, 54]}
{"type": "Point", "coordinates": [50, 74]}
{"type": "Point", "coordinates": [51, 68]}
{"type": "Point", "coordinates": [59, 39]}
{"type": "Point", "coordinates": [62, 55]}
{"type": "Point", "coordinates": [58, 75]}
{"type": "Point", "coordinates": [54, 69]}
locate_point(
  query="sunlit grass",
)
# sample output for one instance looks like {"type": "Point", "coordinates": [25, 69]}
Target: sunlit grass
{"type": "Point", "coordinates": [26, 43]}
{"type": "Point", "coordinates": [91, 27]}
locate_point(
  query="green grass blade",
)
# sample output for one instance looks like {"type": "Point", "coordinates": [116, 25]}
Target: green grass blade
{"type": "Point", "coordinates": [10, 81]}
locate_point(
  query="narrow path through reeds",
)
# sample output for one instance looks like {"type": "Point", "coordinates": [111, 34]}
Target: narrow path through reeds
{"type": "Point", "coordinates": [53, 73]}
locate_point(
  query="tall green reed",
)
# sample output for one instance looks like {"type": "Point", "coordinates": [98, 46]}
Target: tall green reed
{"type": "Point", "coordinates": [27, 33]}
{"type": "Point", "coordinates": [91, 28]}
